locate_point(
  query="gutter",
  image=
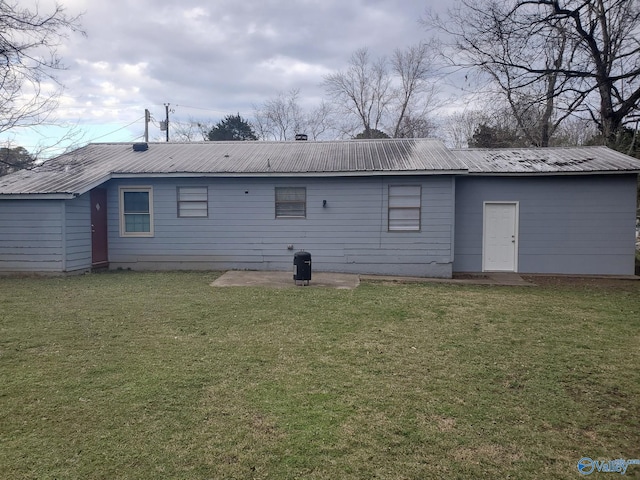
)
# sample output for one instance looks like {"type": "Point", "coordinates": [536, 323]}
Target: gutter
{"type": "Point", "coordinates": [38, 196]}
{"type": "Point", "coordinates": [361, 173]}
{"type": "Point", "coordinates": [556, 173]}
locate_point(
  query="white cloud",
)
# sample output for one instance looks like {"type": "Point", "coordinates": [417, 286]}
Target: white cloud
{"type": "Point", "coordinates": [282, 66]}
{"type": "Point", "coordinates": [221, 56]}
{"type": "Point", "coordinates": [196, 13]}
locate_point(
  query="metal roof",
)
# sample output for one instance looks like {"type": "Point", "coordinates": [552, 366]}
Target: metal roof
{"type": "Point", "coordinates": [81, 170]}
{"type": "Point", "coordinates": [551, 160]}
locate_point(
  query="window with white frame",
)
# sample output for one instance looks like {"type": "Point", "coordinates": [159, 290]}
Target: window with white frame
{"type": "Point", "coordinates": [404, 208]}
{"type": "Point", "coordinates": [193, 202]}
{"type": "Point", "coordinates": [291, 202]}
{"type": "Point", "coordinates": [136, 211]}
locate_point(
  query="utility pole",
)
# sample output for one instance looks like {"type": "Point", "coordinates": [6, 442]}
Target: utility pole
{"type": "Point", "coordinates": [147, 119]}
{"type": "Point", "coordinates": [166, 107]}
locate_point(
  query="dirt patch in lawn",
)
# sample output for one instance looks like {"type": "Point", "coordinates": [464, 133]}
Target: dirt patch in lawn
{"type": "Point", "coordinates": [617, 283]}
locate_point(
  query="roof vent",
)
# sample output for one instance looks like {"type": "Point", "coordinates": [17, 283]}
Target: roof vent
{"type": "Point", "coordinates": [301, 137]}
{"type": "Point", "coordinates": [140, 147]}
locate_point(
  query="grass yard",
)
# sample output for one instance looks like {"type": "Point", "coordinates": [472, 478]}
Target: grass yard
{"type": "Point", "coordinates": [158, 375]}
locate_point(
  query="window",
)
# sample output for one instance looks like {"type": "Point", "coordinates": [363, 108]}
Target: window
{"type": "Point", "coordinates": [291, 202]}
{"type": "Point", "coordinates": [192, 202]}
{"type": "Point", "coordinates": [404, 208]}
{"type": "Point", "coordinates": [136, 212]}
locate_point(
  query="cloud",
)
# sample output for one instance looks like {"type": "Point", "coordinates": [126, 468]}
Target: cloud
{"type": "Point", "coordinates": [221, 57]}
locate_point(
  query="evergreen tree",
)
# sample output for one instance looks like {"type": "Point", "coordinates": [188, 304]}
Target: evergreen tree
{"type": "Point", "coordinates": [14, 159]}
{"type": "Point", "coordinates": [232, 127]}
{"type": "Point", "coordinates": [486, 136]}
{"type": "Point", "coordinates": [372, 133]}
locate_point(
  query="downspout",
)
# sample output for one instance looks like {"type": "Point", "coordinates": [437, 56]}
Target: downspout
{"type": "Point", "coordinates": [382, 215]}
{"type": "Point", "coordinates": [453, 221]}
{"type": "Point", "coordinates": [63, 232]}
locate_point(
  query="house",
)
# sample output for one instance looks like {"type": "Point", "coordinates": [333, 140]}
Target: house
{"type": "Point", "coordinates": [392, 206]}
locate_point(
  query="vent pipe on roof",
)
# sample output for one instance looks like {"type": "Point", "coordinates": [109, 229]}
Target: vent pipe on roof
{"type": "Point", "coordinates": [140, 147]}
{"type": "Point", "coordinates": [301, 137]}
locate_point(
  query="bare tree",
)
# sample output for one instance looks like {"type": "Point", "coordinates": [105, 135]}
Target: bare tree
{"type": "Point", "coordinates": [458, 128]}
{"type": "Point", "coordinates": [415, 96]}
{"type": "Point", "coordinates": [607, 56]}
{"type": "Point", "coordinates": [261, 123]}
{"type": "Point", "coordinates": [378, 94]}
{"type": "Point", "coordinates": [575, 131]}
{"type": "Point", "coordinates": [29, 61]}
{"type": "Point", "coordinates": [318, 122]}
{"type": "Point", "coordinates": [362, 90]}
{"type": "Point", "coordinates": [503, 49]}
{"type": "Point", "coordinates": [280, 117]}
{"type": "Point", "coordinates": [190, 131]}
{"type": "Point", "coordinates": [559, 56]}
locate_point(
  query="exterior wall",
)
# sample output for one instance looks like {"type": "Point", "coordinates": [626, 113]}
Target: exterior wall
{"type": "Point", "coordinates": [31, 235]}
{"type": "Point", "coordinates": [78, 234]}
{"type": "Point", "coordinates": [46, 236]}
{"type": "Point", "coordinates": [567, 224]}
{"type": "Point", "coordinates": [241, 231]}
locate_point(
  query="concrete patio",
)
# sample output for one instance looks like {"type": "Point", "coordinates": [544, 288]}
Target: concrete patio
{"type": "Point", "coordinates": [248, 278]}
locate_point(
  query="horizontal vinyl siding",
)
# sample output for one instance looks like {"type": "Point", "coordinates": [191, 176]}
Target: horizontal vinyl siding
{"type": "Point", "coordinates": [78, 233]}
{"type": "Point", "coordinates": [567, 225]}
{"type": "Point", "coordinates": [241, 231]}
{"type": "Point", "coordinates": [31, 236]}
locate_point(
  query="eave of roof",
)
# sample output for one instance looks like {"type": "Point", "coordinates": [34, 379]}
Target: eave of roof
{"type": "Point", "coordinates": [82, 170]}
{"type": "Point", "coordinates": [38, 196]}
{"type": "Point", "coordinates": [361, 173]}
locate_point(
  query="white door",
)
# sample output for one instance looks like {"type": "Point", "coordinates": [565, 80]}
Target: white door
{"type": "Point", "coordinates": [500, 237]}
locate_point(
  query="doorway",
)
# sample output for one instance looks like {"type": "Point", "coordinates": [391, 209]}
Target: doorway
{"type": "Point", "coordinates": [99, 239]}
{"type": "Point", "coordinates": [500, 237]}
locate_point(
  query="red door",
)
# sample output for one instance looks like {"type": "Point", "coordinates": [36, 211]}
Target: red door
{"type": "Point", "coordinates": [99, 246]}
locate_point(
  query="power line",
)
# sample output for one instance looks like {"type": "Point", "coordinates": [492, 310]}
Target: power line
{"type": "Point", "coordinates": [128, 106]}
{"type": "Point", "coordinates": [203, 109]}
{"type": "Point", "coordinates": [116, 131]}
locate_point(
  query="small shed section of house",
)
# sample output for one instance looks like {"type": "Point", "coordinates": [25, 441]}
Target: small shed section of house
{"type": "Point", "coordinates": [551, 210]}
{"type": "Point", "coordinates": [400, 207]}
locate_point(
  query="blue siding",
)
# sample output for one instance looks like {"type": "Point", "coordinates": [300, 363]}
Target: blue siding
{"type": "Point", "coordinates": [241, 232]}
{"type": "Point", "coordinates": [31, 235]}
{"type": "Point", "coordinates": [78, 234]}
{"type": "Point", "coordinates": [567, 224]}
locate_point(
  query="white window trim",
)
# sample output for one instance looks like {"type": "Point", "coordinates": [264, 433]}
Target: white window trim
{"type": "Point", "coordinates": [203, 202]}
{"type": "Point", "coordinates": [134, 188]}
{"type": "Point", "coordinates": [389, 209]}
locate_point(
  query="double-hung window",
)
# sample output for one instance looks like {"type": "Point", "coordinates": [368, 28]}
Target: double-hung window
{"type": "Point", "coordinates": [291, 202]}
{"type": "Point", "coordinates": [192, 202]}
{"type": "Point", "coordinates": [404, 208]}
{"type": "Point", "coordinates": [136, 211]}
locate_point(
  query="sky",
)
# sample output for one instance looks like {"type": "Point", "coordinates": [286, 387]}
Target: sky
{"type": "Point", "coordinates": [208, 59]}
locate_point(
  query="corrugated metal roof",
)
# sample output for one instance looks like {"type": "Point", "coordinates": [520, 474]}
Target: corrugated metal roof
{"type": "Point", "coordinates": [547, 160]}
{"type": "Point", "coordinates": [82, 169]}
{"type": "Point", "coordinates": [294, 157]}
{"type": "Point", "coordinates": [87, 167]}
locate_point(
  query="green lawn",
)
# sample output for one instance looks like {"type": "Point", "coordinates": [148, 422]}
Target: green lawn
{"type": "Point", "coordinates": [159, 375]}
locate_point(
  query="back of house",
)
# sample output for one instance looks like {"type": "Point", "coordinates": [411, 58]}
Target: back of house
{"type": "Point", "coordinates": [393, 206]}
